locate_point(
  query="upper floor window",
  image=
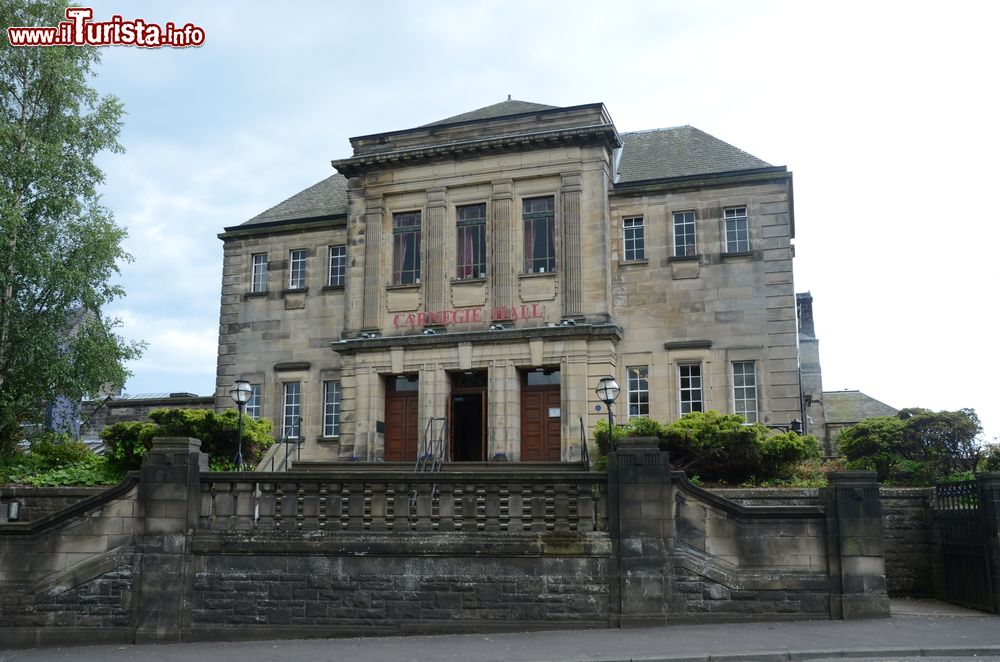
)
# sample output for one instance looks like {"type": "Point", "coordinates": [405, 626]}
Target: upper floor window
{"type": "Point", "coordinates": [297, 269]}
{"type": "Point", "coordinates": [689, 387]}
{"type": "Point", "coordinates": [470, 242]}
{"type": "Point", "coordinates": [338, 265]}
{"type": "Point", "coordinates": [331, 409]}
{"type": "Point", "coordinates": [684, 234]}
{"type": "Point", "coordinates": [638, 391]}
{"type": "Point", "coordinates": [634, 233]}
{"type": "Point", "coordinates": [539, 235]}
{"type": "Point", "coordinates": [406, 248]}
{"type": "Point", "coordinates": [745, 390]}
{"type": "Point", "coordinates": [737, 230]}
{"type": "Point", "coordinates": [253, 404]}
{"type": "Point", "coordinates": [291, 410]}
{"type": "Point", "coordinates": [258, 273]}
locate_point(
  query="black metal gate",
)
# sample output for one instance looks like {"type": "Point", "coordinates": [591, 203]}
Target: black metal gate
{"type": "Point", "coordinates": [967, 579]}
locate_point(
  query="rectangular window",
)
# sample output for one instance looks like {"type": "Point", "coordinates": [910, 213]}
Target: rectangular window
{"type": "Point", "coordinates": [745, 390]}
{"type": "Point", "coordinates": [689, 378]}
{"type": "Point", "coordinates": [539, 235]}
{"type": "Point", "coordinates": [638, 391]}
{"type": "Point", "coordinates": [297, 269]}
{"type": "Point", "coordinates": [338, 266]}
{"type": "Point", "coordinates": [258, 273]}
{"type": "Point", "coordinates": [331, 409]}
{"type": "Point", "coordinates": [291, 411]}
{"type": "Point", "coordinates": [737, 231]}
{"type": "Point", "coordinates": [253, 404]}
{"type": "Point", "coordinates": [684, 234]}
{"type": "Point", "coordinates": [406, 248]}
{"type": "Point", "coordinates": [634, 233]}
{"type": "Point", "coordinates": [470, 242]}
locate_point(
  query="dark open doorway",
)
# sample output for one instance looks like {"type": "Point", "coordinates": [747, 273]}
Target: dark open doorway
{"type": "Point", "coordinates": [468, 417]}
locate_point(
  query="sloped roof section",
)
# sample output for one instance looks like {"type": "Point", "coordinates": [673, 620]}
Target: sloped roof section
{"type": "Point", "coordinates": [853, 407]}
{"type": "Point", "coordinates": [502, 109]}
{"type": "Point", "coordinates": [325, 198]}
{"type": "Point", "coordinates": [679, 152]}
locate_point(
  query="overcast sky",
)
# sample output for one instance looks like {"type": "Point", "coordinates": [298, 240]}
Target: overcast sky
{"type": "Point", "coordinates": [885, 112]}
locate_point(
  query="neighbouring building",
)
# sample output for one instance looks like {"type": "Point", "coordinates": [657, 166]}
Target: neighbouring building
{"type": "Point", "coordinates": [474, 278]}
{"type": "Point", "coordinates": [845, 408]}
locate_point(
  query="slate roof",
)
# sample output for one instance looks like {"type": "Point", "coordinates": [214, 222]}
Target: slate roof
{"type": "Point", "coordinates": [678, 152]}
{"type": "Point", "coordinates": [853, 407]}
{"type": "Point", "coordinates": [325, 198]}
{"type": "Point", "coordinates": [509, 107]}
{"type": "Point", "coordinates": [646, 155]}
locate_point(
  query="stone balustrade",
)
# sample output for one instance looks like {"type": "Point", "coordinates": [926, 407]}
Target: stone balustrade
{"type": "Point", "coordinates": [402, 501]}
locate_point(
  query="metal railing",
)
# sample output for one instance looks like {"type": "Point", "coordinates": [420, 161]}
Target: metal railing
{"type": "Point", "coordinates": [584, 451]}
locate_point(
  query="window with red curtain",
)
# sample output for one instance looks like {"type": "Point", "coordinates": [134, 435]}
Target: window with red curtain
{"type": "Point", "coordinates": [470, 242]}
{"type": "Point", "coordinates": [406, 248]}
{"type": "Point", "coordinates": [539, 235]}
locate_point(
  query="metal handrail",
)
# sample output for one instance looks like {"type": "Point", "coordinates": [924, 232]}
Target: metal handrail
{"type": "Point", "coordinates": [584, 451]}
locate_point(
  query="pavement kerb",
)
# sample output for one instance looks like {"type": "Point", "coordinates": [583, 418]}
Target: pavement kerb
{"type": "Point", "coordinates": [795, 656]}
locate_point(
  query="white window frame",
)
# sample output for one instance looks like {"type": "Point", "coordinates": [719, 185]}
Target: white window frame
{"type": "Point", "coordinates": [737, 230]}
{"type": "Point", "coordinates": [297, 269]}
{"type": "Point", "coordinates": [745, 390]}
{"type": "Point", "coordinates": [338, 265]}
{"type": "Point", "coordinates": [291, 410]}
{"type": "Point", "coordinates": [253, 404]}
{"type": "Point", "coordinates": [634, 238]}
{"type": "Point", "coordinates": [685, 226]}
{"type": "Point", "coordinates": [692, 373]}
{"type": "Point", "coordinates": [258, 272]}
{"type": "Point", "coordinates": [637, 382]}
{"type": "Point", "coordinates": [331, 408]}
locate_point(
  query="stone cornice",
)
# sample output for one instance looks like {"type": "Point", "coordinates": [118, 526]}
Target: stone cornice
{"type": "Point", "coordinates": [278, 227]}
{"type": "Point", "coordinates": [381, 343]}
{"type": "Point", "coordinates": [355, 165]}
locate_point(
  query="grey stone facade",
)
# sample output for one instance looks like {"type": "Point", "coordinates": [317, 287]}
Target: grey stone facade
{"type": "Point", "coordinates": [671, 252]}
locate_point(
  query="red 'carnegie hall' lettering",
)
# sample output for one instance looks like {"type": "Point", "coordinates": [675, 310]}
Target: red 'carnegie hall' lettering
{"type": "Point", "coordinates": [451, 317]}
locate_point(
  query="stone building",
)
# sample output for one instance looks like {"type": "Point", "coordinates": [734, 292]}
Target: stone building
{"type": "Point", "coordinates": [474, 278]}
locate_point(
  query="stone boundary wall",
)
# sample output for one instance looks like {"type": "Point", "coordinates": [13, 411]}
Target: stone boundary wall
{"type": "Point", "coordinates": [70, 571]}
{"type": "Point", "coordinates": [912, 542]}
{"type": "Point", "coordinates": [178, 553]}
{"type": "Point", "coordinates": [37, 502]}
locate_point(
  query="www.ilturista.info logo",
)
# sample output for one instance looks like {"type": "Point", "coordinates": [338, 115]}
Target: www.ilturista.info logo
{"type": "Point", "coordinates": [79, 30]}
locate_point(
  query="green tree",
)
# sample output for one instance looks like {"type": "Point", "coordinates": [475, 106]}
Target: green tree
{"type": "Point", "coordinates": [59, 248]}
{"type": "Point", "coordinates": [875, 445]}
{"type": "Point", "coordinates": [915, 446]}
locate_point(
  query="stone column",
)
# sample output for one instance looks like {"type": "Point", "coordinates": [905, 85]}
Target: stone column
{"type": "Point", "coordinates": [505, 262]}
{"type": "Point", "coordinates": [855, 546]}
{"type": "Point", "coordinates": [571, 267]}
{"type": "Point", "coordinates": [641, 523]}
{"type": "Point", "coordinates": [170, 499]}
{"type": "Point", "coordinates": [371, 313]}
{"type": "Point", "coordinates": [989, 492]}
{"type": "Point", "coordinates": [434, 268]}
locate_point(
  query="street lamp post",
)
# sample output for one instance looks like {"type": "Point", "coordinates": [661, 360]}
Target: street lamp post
{"type": "Point", "coordinates": [241, 395]}
{"type": "Point", "coordinates": [607, 392]}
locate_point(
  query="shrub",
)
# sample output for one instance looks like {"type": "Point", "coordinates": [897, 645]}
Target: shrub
{"type": "Point", "coordinates": [128, 442]}
{"type": "Point", "coordinates": [720, 447]}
